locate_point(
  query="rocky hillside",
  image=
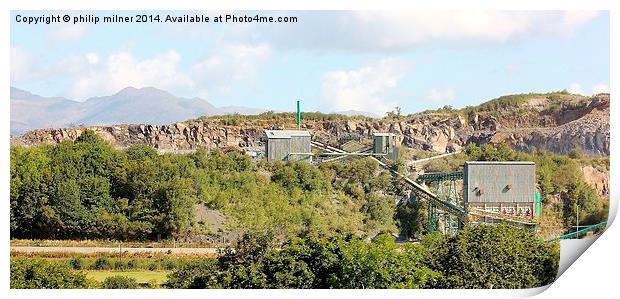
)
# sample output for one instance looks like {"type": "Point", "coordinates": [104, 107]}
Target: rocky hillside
{"type": "Point", "coordinates": [557, 122]}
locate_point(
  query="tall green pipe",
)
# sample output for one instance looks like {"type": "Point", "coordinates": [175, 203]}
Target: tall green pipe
{"type": "Point", "coordinates": [537, 207]}
{"type": "Point", "coordinates": [298, 116]}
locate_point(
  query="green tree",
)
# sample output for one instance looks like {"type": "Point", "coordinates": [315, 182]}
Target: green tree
{"type": "Point", "coordinates": [41, 274]}
{"type": "Point", "coordinates": [309, 262]}
{"type": "Point", "coordinates": [408, 218]}
{"type": "Point", "coordinates": [485, 256]}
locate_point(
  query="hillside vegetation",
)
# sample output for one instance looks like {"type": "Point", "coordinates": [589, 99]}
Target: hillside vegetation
{"type": "Point", "coordinates": [557, 100]}
{"type": "Point", "coordinates": [87, 189]}
{"type": "Point", "coordinates": [301, 226]}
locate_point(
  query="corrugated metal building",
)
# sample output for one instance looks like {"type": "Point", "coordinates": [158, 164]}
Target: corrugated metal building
{"type": "Point", "coordinates": [500, 187]}
{"type": "Point", "coordinates": [385, 143]}
{"type": "Point", "coordinates": [279, 144]}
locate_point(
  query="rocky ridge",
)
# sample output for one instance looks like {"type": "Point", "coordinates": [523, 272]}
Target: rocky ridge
{"type": "Point", "coordinates": [576, 122]}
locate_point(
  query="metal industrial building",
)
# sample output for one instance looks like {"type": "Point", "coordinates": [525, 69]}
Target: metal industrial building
{"type": "Point", "coordinates": [385, 143]}
{"type": "Point", "coordinates": [507, 188]}
{"type": "Point", "coordinates": [287, 145]}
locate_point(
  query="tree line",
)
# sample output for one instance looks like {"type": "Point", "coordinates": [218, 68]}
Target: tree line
{"type": "Point", "coordinates": [87, 189]}
{"type": "Point", "coordinates": [479, 256]}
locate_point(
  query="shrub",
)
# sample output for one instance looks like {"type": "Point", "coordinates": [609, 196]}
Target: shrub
{"type": "Point", "coordinates": [132, 264]}
{"type": "Point", "coordinates": [76, 263]}
{"type": "Point", "coordinates": [153, 266]}
{"type": "Point", "coordinates": [120, 265]}
{"type": "Point", "coordinates": [41, 274]}
{"type": "Point", "coordinates": [192, 275]}
{"type": "Point", "coordinates": [119, 282]}
{"type": "Point", "coordinates": [152, 284]}
{"type": "Point", "coordinates": [102, 263]}
{"type": "Point", "coordinates": [168, 264]}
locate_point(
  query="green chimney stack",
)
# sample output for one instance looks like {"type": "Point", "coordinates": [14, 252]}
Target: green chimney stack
{"type": "Point", "coordinates": [298, 119]}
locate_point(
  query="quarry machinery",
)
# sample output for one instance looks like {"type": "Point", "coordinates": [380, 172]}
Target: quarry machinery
{"type": "Point", "coordinates": [488, 192]}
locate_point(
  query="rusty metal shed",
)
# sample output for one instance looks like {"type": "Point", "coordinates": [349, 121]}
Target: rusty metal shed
{"type": "Point", "coordinates": [287, 145]}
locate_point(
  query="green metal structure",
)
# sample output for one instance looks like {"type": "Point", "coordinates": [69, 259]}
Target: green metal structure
{"type": "Point", "coordinates": [576, 234]}
{"type": "Point", "coordinates": [447, 191]}
{"type": "Point", "coordinates": [538, 206]}
{"type": "Point", "coordinates": [298, 118]}
{"type": "Point", "coordinates": [441, 176]}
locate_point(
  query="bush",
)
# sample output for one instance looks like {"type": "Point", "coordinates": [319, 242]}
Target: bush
{"type": "Point", "coordinates": [192, 275]}
{"type": "Point", "coordinates": [132, 264]}
{"type": "Point", "coordinates": [76, 263]}
{"type": "Point", "coordinates": [41, 274]}
{"type": "Point", "coordinates": [119, 282]}
{"type": "Point", "coordinates": [153, 266]}
{"type": "Point", "coordinates": [152, 284]}
{"type": "Point", "coordinates": [102, 263]}
{"type": "Point", "coordinates": [120, 265]}
{"type": "Point", "coordinates": [168, 264]}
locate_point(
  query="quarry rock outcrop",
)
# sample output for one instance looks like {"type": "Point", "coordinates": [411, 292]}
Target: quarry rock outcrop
{"type": "Point", "coordinates": [537, 124]}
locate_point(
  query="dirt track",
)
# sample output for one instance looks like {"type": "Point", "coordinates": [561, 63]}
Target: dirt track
{"type": "Point", "coordinates": [30, 249]}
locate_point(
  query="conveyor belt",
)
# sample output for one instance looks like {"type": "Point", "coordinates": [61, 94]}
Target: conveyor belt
{"type": "Point", "coordinates": [441, 176]}
{"type": "Point", "coordinates": [421, 192]}
{"type": "Point", "coordinates": [418, 189]}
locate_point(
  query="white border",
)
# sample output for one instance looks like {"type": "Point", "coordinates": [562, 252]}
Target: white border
{"type": "Point", "coordinates": [593, 274]}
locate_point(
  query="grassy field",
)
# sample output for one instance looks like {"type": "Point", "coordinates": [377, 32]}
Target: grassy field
{"type": "Point", "coordinates": [144, 276]}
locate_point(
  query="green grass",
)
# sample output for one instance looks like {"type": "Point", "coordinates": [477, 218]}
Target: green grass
{"type": "Point", "coordinates": [140, 276]}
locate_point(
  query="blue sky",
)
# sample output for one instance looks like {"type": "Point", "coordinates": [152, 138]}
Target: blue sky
{"type": "Point", "coordinates": [332, 61]}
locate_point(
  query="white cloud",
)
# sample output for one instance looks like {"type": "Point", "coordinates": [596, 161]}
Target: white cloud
{"type": "Point", "coordinates": [573, 20]}
{"type": "Point", "coordinates": [575, 88]}
{"type": "Point", "coordinates": [60, 32]}
{"type": "Point", "coordinates": [404, 30]}
{"type": "Point", "coordinates": [92, 58]}
{"type": "Point", "coordinates": [363, 89]}
{"type": "Point", "coordinates": [442, 96]}
{"type": "Point", "coordinates": [600, 88]}
{"type": "Point", "coordinates": [90, 74]}
{"type": "Point", "coordinates": [122, 69]}
{"type": "Point", "coordinates": [20, 64]}
{"type": "Point", "coordinates": [230, 63]}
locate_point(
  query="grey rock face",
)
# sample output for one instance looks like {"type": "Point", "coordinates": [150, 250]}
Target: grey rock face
{"type": "Point", "coordinates": [559, 131]}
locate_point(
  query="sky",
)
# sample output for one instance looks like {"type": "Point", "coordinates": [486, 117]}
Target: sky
{"type": "Point", "coordinates": [368, 61]}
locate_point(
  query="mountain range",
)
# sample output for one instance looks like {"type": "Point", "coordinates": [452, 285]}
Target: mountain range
{"type": "Point", "coordinates": [128, 106]}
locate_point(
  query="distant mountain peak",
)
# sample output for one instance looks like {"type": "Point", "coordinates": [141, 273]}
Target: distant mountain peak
{"type": "Point", "coordinates": [129, 105]}
{"type": "Point", "coordinates": [19, 93]}
{"type": "Point", "coordinates": [148, 91]}
{"type": "Point", "coordinates": [127, 89]}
